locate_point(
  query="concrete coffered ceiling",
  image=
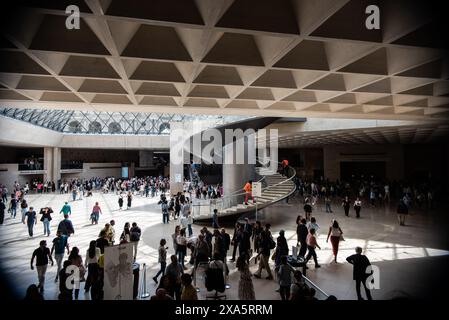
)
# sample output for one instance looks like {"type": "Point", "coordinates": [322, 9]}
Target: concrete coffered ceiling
{"type": "Point", "coordinates": [289, 58]}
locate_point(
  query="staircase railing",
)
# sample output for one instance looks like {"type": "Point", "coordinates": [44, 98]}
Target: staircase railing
{"type": "Point", "coordinates": [206, 207]}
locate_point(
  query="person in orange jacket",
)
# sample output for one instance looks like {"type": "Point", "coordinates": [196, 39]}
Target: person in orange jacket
{"type": "Point", "coordinates": [248, 191]}
{"type": "Point", "coordinates": [284, 165]}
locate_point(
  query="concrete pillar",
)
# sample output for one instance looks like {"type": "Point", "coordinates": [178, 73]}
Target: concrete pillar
{"type": "Point", "coordinates": [236, 175]}
{"type": "Point", "coordinates": [56, 165]}
{"type": "Point", "coordinates": [176, 158]}
{"type": "Point", "coordinates": [48, 164]}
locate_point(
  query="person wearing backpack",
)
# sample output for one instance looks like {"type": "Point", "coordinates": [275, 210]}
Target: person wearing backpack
{"type": "Point", "coordinates": [135, 237]}
{"type": "Point", "coordinates": [66, 226]}
{"type": "Point", "coordinates": [267, 243]}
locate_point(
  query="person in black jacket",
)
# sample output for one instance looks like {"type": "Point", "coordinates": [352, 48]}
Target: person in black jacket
{"type": "Point", "coordinates": [402, 212]}
{"type": "Point", "coordinates": [245, 240]}
{"type": "Point", "coordinates": [360, 275]}
{"type": "Point", "coordinates": [235, 240]}
{"type": "Point", "coordinates": [45, 219]}
{"type": "Point", "coordinates": [227, 241]}
{"type": "Point", "coordinates": [265, 248]}
{"type": "Point", "coordinates": [2, 211]}
{"type": "Point", "coordinates": [302, 233]}
{"type": "Point", "coordinates": [308, 209]}
{"type": "Point", "coordinates": [135, 234]}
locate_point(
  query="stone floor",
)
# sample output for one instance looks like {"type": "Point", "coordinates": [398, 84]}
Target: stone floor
{"type": "Point", "coordinates": [412, 259]}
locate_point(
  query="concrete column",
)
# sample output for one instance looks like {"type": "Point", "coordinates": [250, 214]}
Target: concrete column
{"type": "Point", "coordinates": [56, 164]}
{"type": "Point", "coordinates": [236, 175]}
{"type": "Point", "coordinates": [48, 164]}
{"type": "Point", "coordinates": [176, 159]}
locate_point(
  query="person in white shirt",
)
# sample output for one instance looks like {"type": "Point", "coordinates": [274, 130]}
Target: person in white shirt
{"type": "Point", "coordinates": [181, 242]}
{"type": "Point", "coordinates": [189, 224]}
{"type": "Point", "coordinates": [313, 225]}
{"type": "Point", "coordinates": [335, 234]}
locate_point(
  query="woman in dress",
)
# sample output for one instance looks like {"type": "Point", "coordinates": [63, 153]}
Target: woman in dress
{"type": "Point", "coordinates": [246, 287]}
{"type": "Point", "coordinates": [334, 234]}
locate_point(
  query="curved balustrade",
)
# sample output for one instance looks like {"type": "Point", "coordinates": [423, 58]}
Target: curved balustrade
{"type": "Point", "coordinates": [271, 193]}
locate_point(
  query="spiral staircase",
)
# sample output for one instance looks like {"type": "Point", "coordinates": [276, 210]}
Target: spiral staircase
{"type": "Point", "coordinates": [277, 187]}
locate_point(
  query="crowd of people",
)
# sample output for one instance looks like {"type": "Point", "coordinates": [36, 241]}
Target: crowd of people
{"type": "Point", "coordinates": [208, 250]}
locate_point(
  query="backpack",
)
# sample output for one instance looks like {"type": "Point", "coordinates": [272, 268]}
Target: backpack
{"type": "Point", "coordinates": [164, 207]}
{"type": "Point", "coordinates": [135, 234]}
{"type": "Point", "coordinates": [271, 243]}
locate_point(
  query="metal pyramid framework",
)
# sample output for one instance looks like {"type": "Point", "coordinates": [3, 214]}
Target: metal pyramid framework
{"type": "Point", "coordinates": [94, 122]}
{"type": "Point", "coordinates": [298, 58]}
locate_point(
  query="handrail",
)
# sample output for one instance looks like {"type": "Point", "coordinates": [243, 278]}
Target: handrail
{"type": "Point", "coordinates": [227, 201]}
{"type": "Point", "coordinates": [315, 286]}
{"type": "Point", "coordinates": [312, 284]}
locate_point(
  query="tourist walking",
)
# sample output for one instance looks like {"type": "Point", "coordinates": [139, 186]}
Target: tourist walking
{"type": "Point", "coordinates": [45, 219]}
{"type": "Point", "coordinates": [129, 200]}
{"type": "Point", "coordinates": [174, 271]}
{"type": "Point", "coordinates": [246, 287]}
{"type": "Point", "coordinates": [42, 255]}
{"type": "Point", "coordinates": [302, 233]}
{"type": "Point", "coordinates": [285, 278]}
{"type": "Point", "coordinates": [335, 234]}
{"type": "Point", "coordinates": [23, 208]}
{"type": "Point", "coordinates": [66, 209]}
{"type": "Point", "coordinates": [266, 245]}
{"type": "Point", "coordinates": [346, 204]}
{"type": "Point", "coordinates": [164, 208]}
{"type": "Point", "coordinates": [402, 212]}
{"type": "Point", "coordinates": [76, 260]}
{"type": "Point", "coordinates": [96, 211]}
{"type": "Point", "coordinates": [328, 202]}
{"type": "Point", "coordinates": [2, 211]}
{"type": "Point", "coordinates": [60, 243]}
{"type": "Point", "coordinates": [357, 207]}
{"type": "Point", "coordinates": [311, 247]}
{"type": "Point", "coordinates": [248, 191]}
{"type": "Point", "coordinates": [91, 263]}
{"type": "Point", "coordinates": [120, 202]}
{"type": "Point", "coordinates": [162, 259]}
{"type": "Point", "coordinates": [66, 226]}
{"type": "Point", "coordinates": [13, 206]}
{"type": "Point", "coordinates": [181, 247]}
{"type": "Point", "coordinates": [31, 220]}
